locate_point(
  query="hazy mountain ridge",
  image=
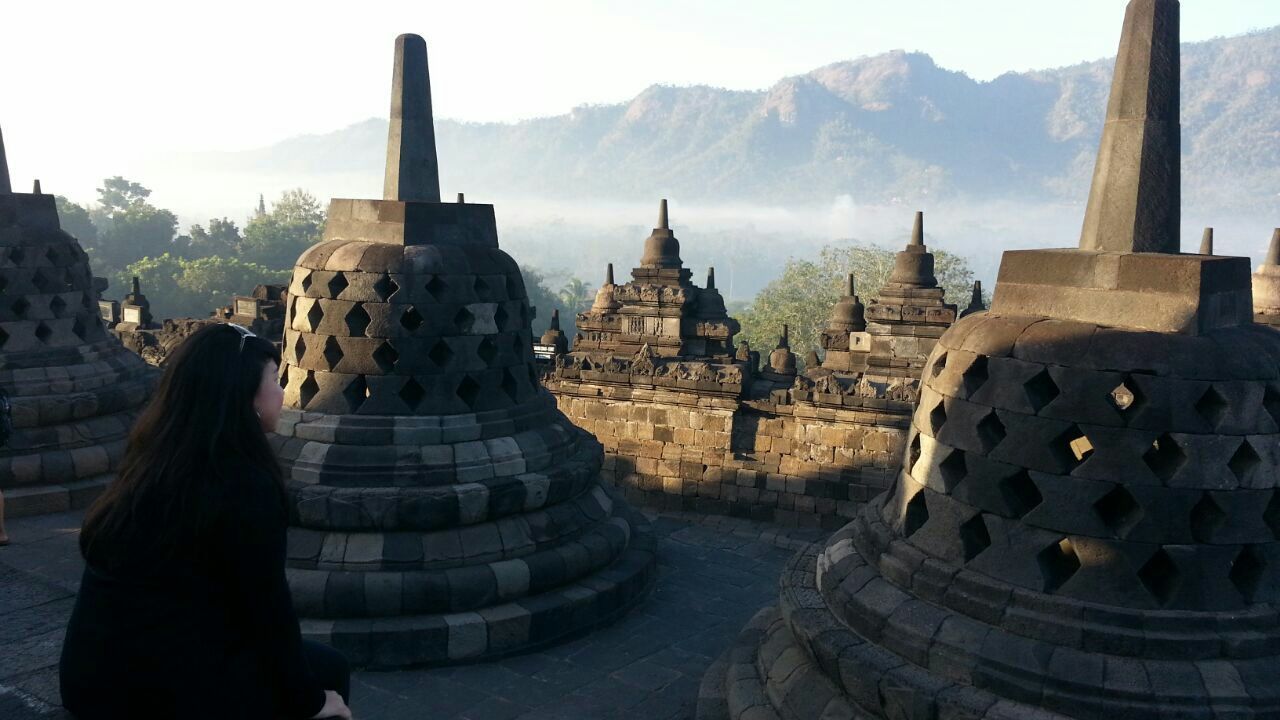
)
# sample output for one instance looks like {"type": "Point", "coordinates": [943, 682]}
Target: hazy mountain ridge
{"type": "Point", "coordinates": [887, 128]}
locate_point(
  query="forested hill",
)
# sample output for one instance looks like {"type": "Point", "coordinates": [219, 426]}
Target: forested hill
{"type": "Point", "coordinates": [893, 127]}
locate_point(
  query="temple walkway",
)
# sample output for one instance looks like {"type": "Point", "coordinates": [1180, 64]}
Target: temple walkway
{"type": "Point", "coordinates": [715, 573]}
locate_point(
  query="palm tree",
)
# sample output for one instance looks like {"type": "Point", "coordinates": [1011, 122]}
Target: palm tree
{"type": "Point", "coordinates": [575, 296]}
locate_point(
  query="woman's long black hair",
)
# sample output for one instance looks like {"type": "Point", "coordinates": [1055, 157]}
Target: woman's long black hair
{"type": "Point", "coordinates": [196, 437]}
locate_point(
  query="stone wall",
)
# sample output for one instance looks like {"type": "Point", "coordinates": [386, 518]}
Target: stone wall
{"type": "Point", "coordinates": [779, 459]}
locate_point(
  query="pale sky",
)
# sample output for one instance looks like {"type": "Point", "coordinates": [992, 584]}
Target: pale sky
{"type": "Point", "coordinates": [87, 85]}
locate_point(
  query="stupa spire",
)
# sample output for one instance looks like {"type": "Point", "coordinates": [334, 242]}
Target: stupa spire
{"type": "Point", "coordinates": [555, 319]}
{"type": "Point", "coordinates": [1206, 242]}
{"type": "Point", "coordinates": [1273, 252]}
{"type": "Point", "coordinates": [35, 187]}
{"type": "Point", "coordinates": [608, 274]}
{"type": "Point", "coordinates": [917, 231]}
{"type": "Point", "coordinates": [1136, 198]}
{"type": "Point", "coordinates": [711, 278]}
{"type": "Point", "coordinates": [412, 172]}
{"type": "Point", "coordinates": [5, 187]}
{"type": "Point", "coordinates": [852, 288]}
{"type": "Point", "coordinates": [662, 215]}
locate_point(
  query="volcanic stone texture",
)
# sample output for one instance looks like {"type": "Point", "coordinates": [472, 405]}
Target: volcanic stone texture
{"type": "Point", "coordinates": [792, 463]}
{"type": "Point", "coordinates": [74, 388]}
{"type": "Point", "coordinates": [443, 510]}
{"type": "Point", "coordinates": [1085, 526]}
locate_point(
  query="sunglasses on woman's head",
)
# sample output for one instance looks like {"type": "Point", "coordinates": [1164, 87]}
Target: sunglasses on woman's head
{"type": "Point", "coordinates": [245, 334]}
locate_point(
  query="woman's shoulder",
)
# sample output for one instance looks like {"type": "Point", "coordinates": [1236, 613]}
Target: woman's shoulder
{"type": "Point", "coordinates": [254, 489]}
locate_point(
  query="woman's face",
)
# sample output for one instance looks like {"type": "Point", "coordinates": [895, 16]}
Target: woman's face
{"type": "Point", "coordinates": [270, 397]}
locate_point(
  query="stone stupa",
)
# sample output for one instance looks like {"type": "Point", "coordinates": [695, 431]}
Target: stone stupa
{"type": "Point", "coordinates": [1266, 285]}
{"type": "Point", "coordinates": [75, 390]}
{"type": "Point", "coordinates": [443, 509]}
{"type": "Point", "coordinates": [1085, 523]}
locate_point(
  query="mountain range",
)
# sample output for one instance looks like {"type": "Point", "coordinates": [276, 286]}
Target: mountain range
{"type": "Point", "coordinates": [890, 128]}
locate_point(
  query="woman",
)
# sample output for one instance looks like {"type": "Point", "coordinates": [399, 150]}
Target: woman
{"type": "Point", "coordinates": [183, 610]}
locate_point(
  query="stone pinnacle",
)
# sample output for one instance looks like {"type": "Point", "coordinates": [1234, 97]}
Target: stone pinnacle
{"type": "Point", "coordinates": [711, 278]}
{"type": "Point", "coordinates": [917, 230]}
{"type": "Point", "coordinates": [461, 198]}
{"type": "Point", "coordinates": [4, 169]}
{"type": "Point", "coordinates": [852, 288]}
{"type": "Point", "coordinates": [608, 274]}
{"type": "Point", "coordinates": [35, 187]}
{"type": "Point", "coordinates": [784, 341]}
{"type": "Point", "coordinates": [1273, 252]}
{"type": "Point", "coordinates": [662, 215]}
{"type": "Point", "coordinates": [412, 172]}
{"type": "Point", "coordinates": [555, 319]}
{"type": "Point", "coordinates": [1135, 203]}
{"type": "Point", "coordinates": [1206, 242]}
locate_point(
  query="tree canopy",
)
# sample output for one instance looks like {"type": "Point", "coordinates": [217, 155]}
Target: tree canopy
{"type": "Point", "coordinates": [802, 297]}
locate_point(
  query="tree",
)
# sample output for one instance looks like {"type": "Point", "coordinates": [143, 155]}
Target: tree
{"type": "Point", "coordinates": [76, 222]}
{"type": "Point", "coordinates": [129, 227]}
{"type": "Point", "coordinates": [275, 239]}
{"type": "Point", "coordinates": [180, 287]}
{"type": "Point", "coordinates": [575, 296]}
{"type": "Point", "coordinates": [222, 238]}
{"type": "Point", "coordinates": [545, 302]}
{"type": "Point", "coordinates": [803, 296]}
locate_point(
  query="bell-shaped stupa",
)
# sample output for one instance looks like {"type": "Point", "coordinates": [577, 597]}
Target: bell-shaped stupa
{"type": "Point", "coordinates": [1087, 518]}
{"type": "Point", "coordinates": [1266, 285]}
{"type": "Point", "coordinates": [74, 388]}
{"type": "Point", "coordinates": [443, 509]}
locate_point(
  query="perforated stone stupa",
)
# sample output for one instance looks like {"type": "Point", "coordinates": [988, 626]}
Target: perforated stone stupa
{"type": "Point", "coordinates": [74, 388]}
{"type": "Point", "coordinates": [443, 510]}
{"type": "Point", "coordinates": [1085, 524]}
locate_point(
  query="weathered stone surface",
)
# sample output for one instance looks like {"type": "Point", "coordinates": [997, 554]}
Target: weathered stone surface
{"type": "Point", "coordinates": [1144, 291]}
{"type": "Point", "coordinates": [1135, 202]}
{"type": "Point", "coordinates": [75, 390]}
{"type": "Point", "coordinates": [412, 172]}
{"type": "Point", "coordinates": [1084, 525]}
{"type": "Point", "coordinates": [1266, 285]}
{"type": "Point", "coordinates": [442, 509]}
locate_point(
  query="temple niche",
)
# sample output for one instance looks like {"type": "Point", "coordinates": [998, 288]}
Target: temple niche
{"type": "Point", "coordinates": [1085, 521]}
{"type": "Point", "coordinates": [660, 308]}
{"type": "Point", "coordinates": [442, 509]}
{"type": "Point", "coordinates": [75, 390]}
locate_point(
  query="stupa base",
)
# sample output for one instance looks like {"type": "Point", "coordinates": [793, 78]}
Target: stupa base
{"type": "Point", "coordinates": [512, 628]}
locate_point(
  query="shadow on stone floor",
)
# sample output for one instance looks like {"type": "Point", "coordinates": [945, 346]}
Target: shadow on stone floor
{"type": "Point", "coordinates": [714, 574]}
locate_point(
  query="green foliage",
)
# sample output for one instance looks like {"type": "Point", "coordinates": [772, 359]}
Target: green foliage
{"type": "Point", "coordinates": [75, 221]}
{"type": "Point", "coordinates": [129, 227]}
{"type": "Point", "coordinates": [575, 296]}
{"type": "Point", "coordinates": [222, 238]}
{"type": "Point", "coordinates": [181, 287]}
{"type": "Point", "coordinates": [803, 296]}
{"type": "Point", "coordinates": [545, 301]}
{"type": "Point", "coordinates": [275, 239]}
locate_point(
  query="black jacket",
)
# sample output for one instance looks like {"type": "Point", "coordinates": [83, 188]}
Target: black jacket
{"type": "Point", "coordinates": [212, 634]}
